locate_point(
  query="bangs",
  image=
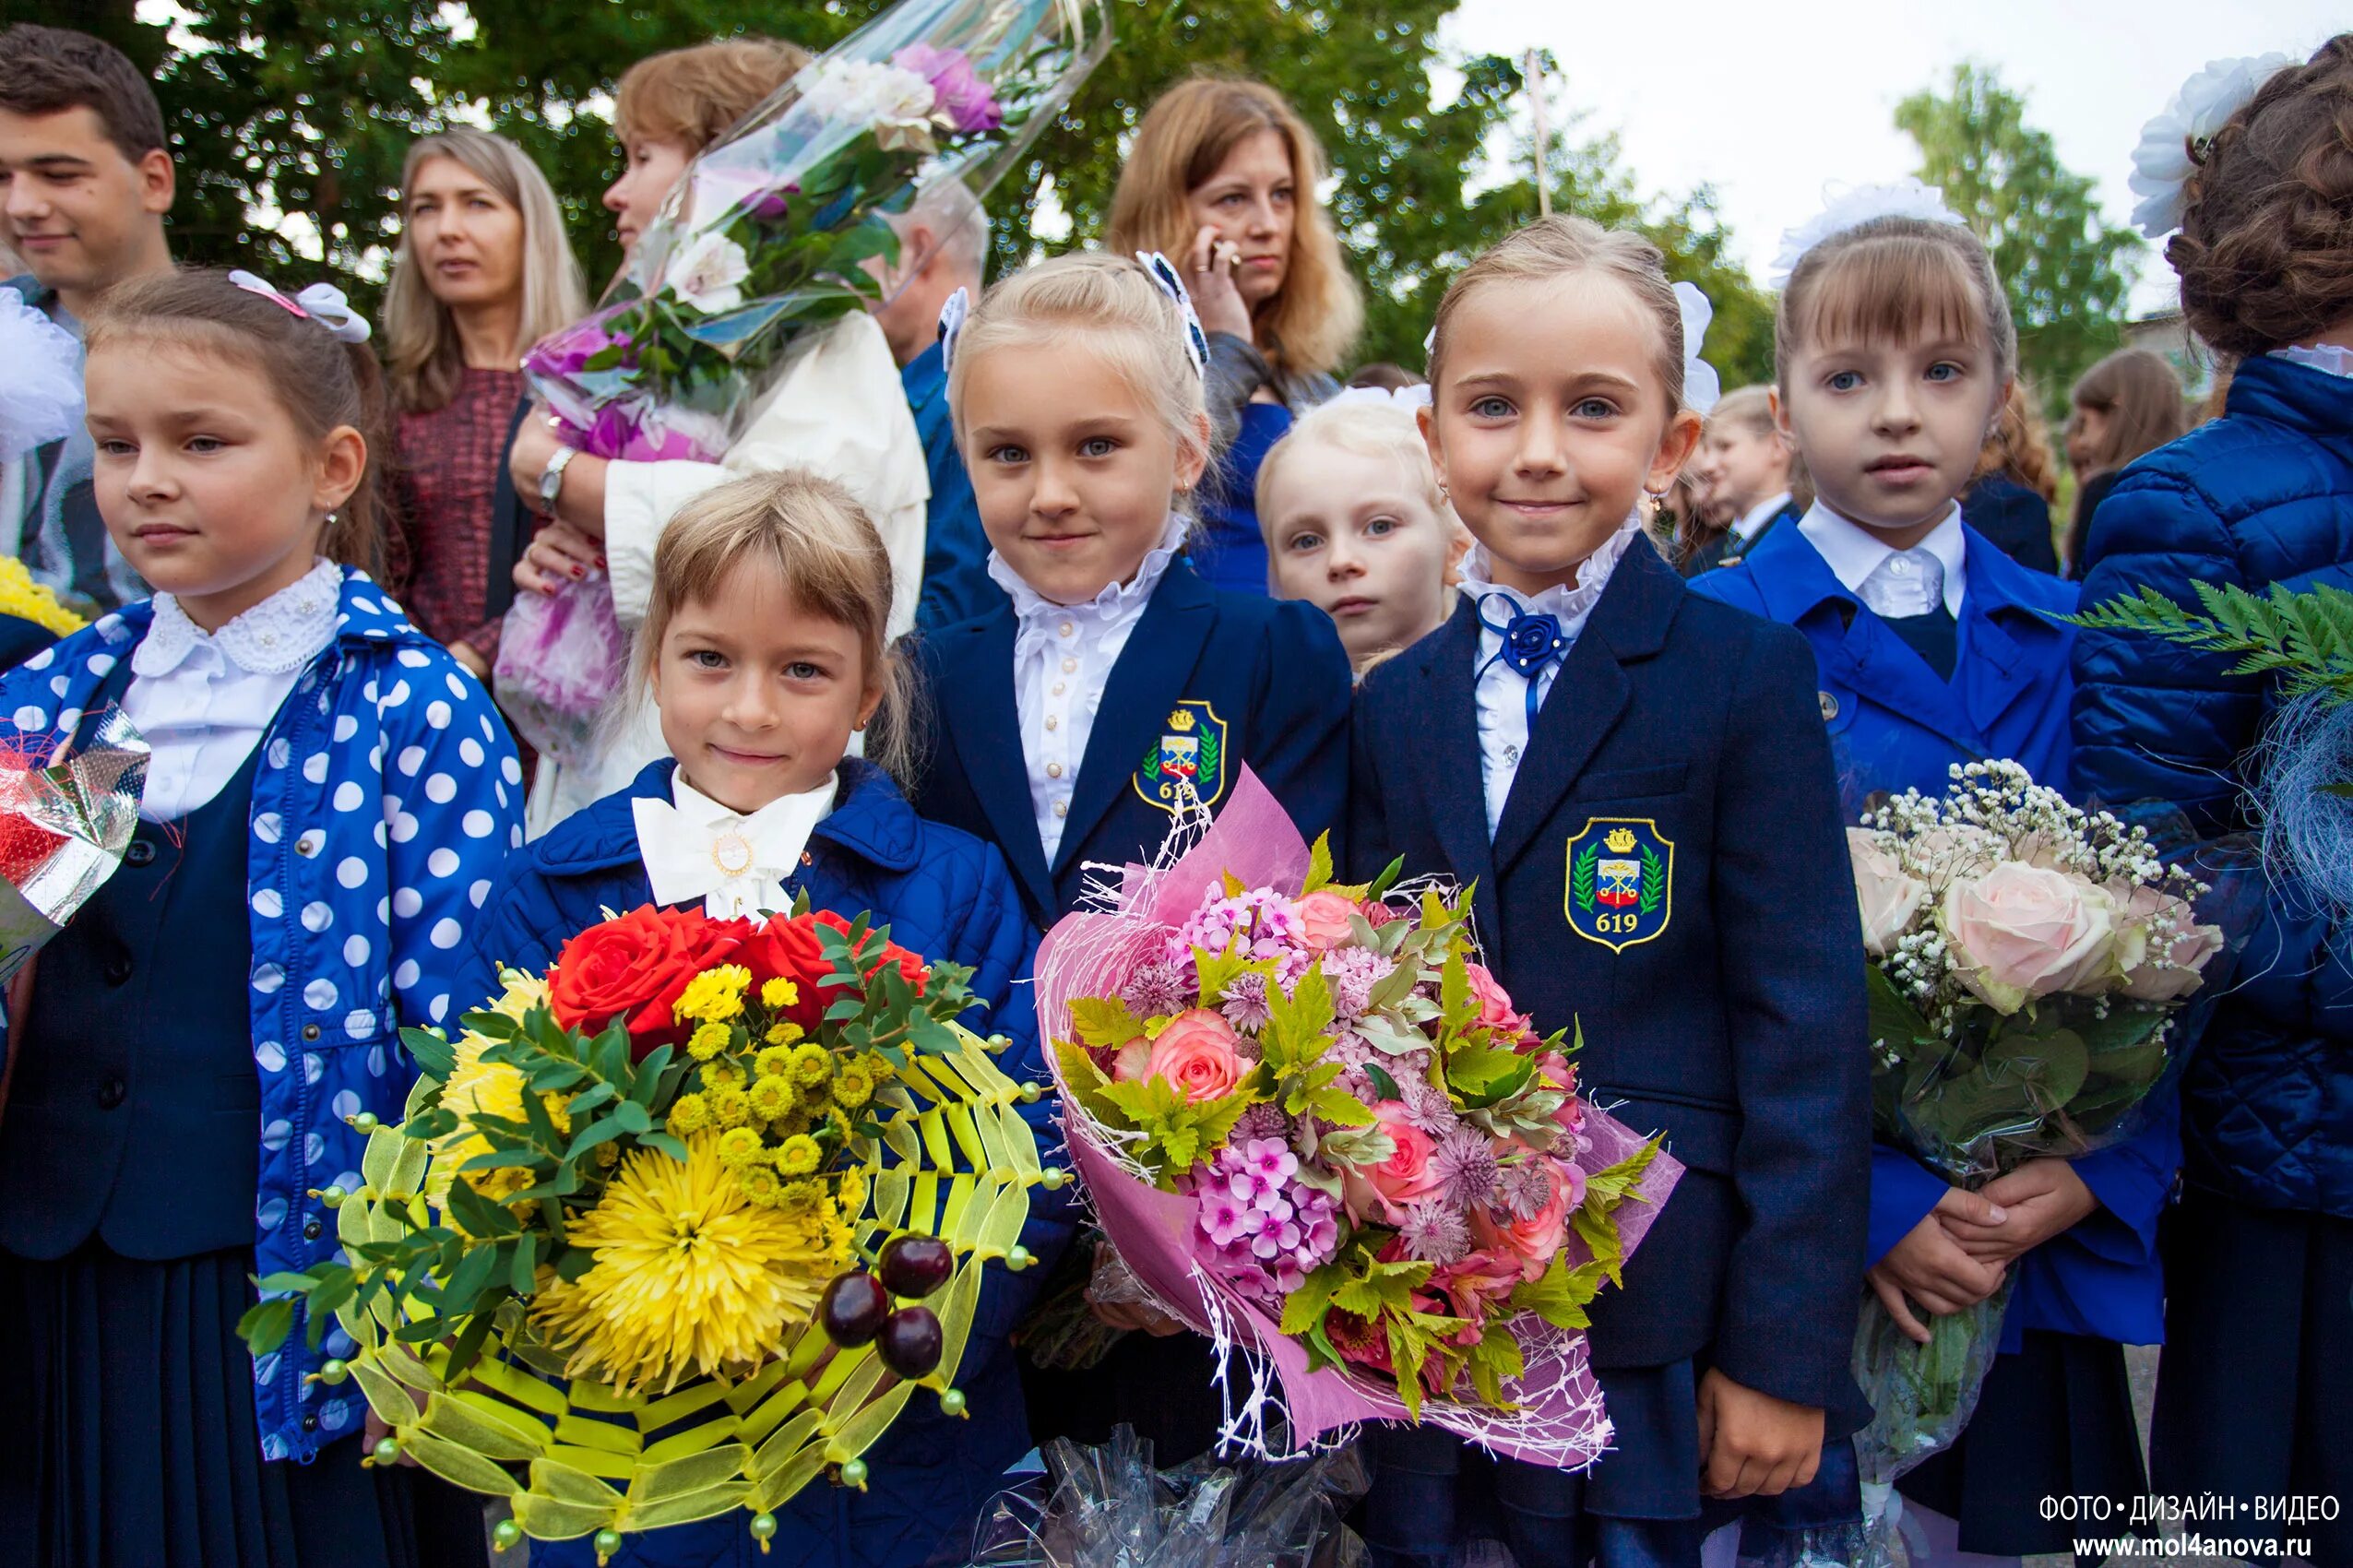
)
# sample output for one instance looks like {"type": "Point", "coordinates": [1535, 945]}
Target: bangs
{"type": "Point", "coordinates": [1889, 289]}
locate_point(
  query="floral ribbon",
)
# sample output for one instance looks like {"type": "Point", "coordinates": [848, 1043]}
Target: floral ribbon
{"type": "Point", "coordinates": [1531, 640]}
{"type": "Point", "coordinates": [322, 303]}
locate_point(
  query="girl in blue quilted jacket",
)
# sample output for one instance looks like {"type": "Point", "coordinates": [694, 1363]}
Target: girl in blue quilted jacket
{"type": "Point", "coordinates": [762, 650]}
{"type": "Point", "coordinates": [2259, 1251]}
{"type": "Point", "coordinates": [327, 799]}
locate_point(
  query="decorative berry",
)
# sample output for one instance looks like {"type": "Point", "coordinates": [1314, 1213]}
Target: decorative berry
{"type": "Point", "coordinates": [388, 1450]}
{"type": "Point", "coordinates": [854, 1474]}
{"type": "Point", "coordinates": [910, 1342]}
{"type": "Point", "coordinates": [607, 1541]}
{"type": "Point", "coordinates": [952, 1402]}
{"type": "Point", "coordinates": [914, 1266]}
{"type": "Point", "coordinates": [764, 1530]}
{"type": "Point", "coordinates": [333, 1371]}
{"type": "Point", "coordinates": [853, 1308]}
{"type": "Point", "coordinates": [504, 1535]}
{"type": "Point", "coordinates": [332, 1195]}
{"type": "Point", "coordinates": [365, 1121]}
{"type": "Point", "coordinates": [1019, 1258]}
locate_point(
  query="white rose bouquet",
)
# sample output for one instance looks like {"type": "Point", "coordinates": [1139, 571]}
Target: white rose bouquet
{"type": "Point", "coordinates": [2026, 962]}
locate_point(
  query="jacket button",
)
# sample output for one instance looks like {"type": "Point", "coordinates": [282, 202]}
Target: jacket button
{"type": "Point", "coordinates": [111, 1093]}
{"type": "Point", "coordinates": [313, 1229]}
{"type": "Point", "coordinates": [308, 844]}
{"type": "Point", "coordinates": [140, 853]}
{"type": "Point", "coordinates": [310, 1423]}
{"type": "Point", "coordinates": [1829, 706]}
{"type": "Point", "coordinates": [118, 968]}
{"type": "Point", "coordinates": [310, 1031]}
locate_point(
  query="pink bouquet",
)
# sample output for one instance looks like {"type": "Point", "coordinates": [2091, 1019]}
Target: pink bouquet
{"type": "Point", "coordinates": [1312, 1125]}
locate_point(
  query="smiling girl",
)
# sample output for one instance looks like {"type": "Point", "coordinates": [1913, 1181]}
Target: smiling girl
{"type": "Point", "coordinates": [1581, 696]}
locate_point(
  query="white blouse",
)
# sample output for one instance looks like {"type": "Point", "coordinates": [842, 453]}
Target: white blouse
{"type": "Point", "coordinates": [695, 848]}
{"type": "Point", "coordinates": [203, 700]}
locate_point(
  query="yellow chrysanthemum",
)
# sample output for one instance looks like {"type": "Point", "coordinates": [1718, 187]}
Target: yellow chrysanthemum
{"type": "Point", "coordinates": [771, 1098]}
{"type": "Point", "coordinates": [692, 1278]}
{"type": "Point", "coordinates": [720, 1075]}
{"type": "Point", "coordinates": [689, 1114]}
{"type": "Point", "coordinates": [730, 1106]}
{"type": "Point", "coordinates": [812, 1063]}
{"type": "Point", "coordinates": [780, 993]}
{"type": "Point", "coordinates": [715, 995]}
{"type": "Point", "coordinates": [785, 1034]}
{"type": "Point", "coordinates": [707, 1040]}
{"type": "Point", "coordinates": [852, 1087]}
{"type": "Point", "coordinates": [773, 1061]}
{"type": "Point", "coordinates": [761, 1185]}
{"type": "Point", "coordinates": [29, 600]}
{"type": "Point", "coordinates": [798, 1155]}
{"type": "Point", "coordinates": [851, 1199]}
{"type": "Point", "coordinates": [488, 1088]}
{"type": "Point", "coordinates": [738, 1146]}
{"type": "Point", "coordinates": [800, 1197]}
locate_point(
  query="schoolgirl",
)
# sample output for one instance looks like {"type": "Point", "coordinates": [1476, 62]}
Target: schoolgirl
{"type": "Point", "coordinates": [328, 797]}
{"type": "Point", "coordinates": [1744, 463]}
{"type": "Point", "coordinates": [1580, 694]}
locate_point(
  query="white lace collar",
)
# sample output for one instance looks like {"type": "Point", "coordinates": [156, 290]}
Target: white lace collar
{"type": "Point", "coordinates": [2326, 358]}
{"type": "Point", "coordinates": [1114, 600]}
{"type": "Point", "coordinates": [282, 633]}
{"type": "Point", "coordinates": [1570, 602]}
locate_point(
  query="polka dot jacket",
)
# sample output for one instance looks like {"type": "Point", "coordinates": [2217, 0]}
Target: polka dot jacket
{"type": "Point", "coordinates": [387, 796]}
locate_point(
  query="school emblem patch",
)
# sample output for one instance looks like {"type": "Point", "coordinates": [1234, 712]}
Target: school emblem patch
{"type": "Point", "coordinates": [1189, 757]}
{"type": "Point", "coordinates": [1621, 881]}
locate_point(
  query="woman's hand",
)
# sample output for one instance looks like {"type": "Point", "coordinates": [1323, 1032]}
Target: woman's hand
{"type": "Point", "coordinates": [1928, 1266]}
{"type": "Point", "coordinates": [2040, 1199]}
{"type": "Point", "coordinates": [1209, 277]}
{"type": "Point", "coordinates": [535, 443]}
{"type": "Point", "coordinates": [1108, 1271]}
{"type": "Point", "coordinates": [560, 555]}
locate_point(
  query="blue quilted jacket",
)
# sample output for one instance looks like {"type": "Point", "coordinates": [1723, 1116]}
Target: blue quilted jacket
{"type": "Point", "coordinates": [944, 895]}
{"type": "Point", "coordinates": [387, 796]}
{"type": "Point", "coordinates": [2262, 495]}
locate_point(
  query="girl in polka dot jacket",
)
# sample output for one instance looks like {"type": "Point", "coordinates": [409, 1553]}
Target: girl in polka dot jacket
{"type": "Point", "coordinates": [328, 798]}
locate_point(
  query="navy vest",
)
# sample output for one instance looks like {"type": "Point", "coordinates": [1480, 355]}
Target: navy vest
{"type": "Point", "coordinates": [133, 1115]}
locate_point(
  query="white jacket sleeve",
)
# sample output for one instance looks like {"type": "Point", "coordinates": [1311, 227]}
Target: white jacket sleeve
{"type": "Point", "coordinates": [839, 410]}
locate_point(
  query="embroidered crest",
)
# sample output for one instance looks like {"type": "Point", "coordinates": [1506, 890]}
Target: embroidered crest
{"type": "Point", "coordinates": [1621, 881]}
{"type": "Point", "coordinates": [1189, 757]}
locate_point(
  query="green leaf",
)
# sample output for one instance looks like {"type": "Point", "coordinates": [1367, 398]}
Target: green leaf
{"type": "Point", "coordinates": [1319, 865]}
{"type": "Point", "coordinates": [1387, 879]}
{"type": "Point", "coordinates": [1383, 1085]}
{"type": "Point", "coordinates": [1105, 1022]}
{"type": "Point", "coordinates": [479, 1215]}
{"type": "Point", "coordinates": [633, 1118]}
{"type": "Point", "coordinates": [434, 1056]}
{"type": "Point", "coordinates": [1304, 1308]}
{"type": "Point", "coordinates": [523, 1272]}
{"type": "Point", "coordinates": [266, 1325]}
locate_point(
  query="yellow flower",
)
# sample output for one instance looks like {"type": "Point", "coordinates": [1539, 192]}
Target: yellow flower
{"type": "Point", "coordinates": [715, 995]}
{"type": "Point", "coordinates": [29, 600]}
{"type": "Point", "coordinates": [798, 1155]}
{"type": "Point", "coordinates": [852, 1196]}
{"type": "Point", "coordinates": [476, 1087]}
{"type": "Point", "coordinates": [774, 1062]}
{"type": "Point", "coordinates": [689, 1113]}
{"type": "Point", "coordinates": [784, 1034]}
{"type": "Point", "coordinates": [800, 1197]}
{"type": "Point", "coordinates": [852, 1087]}
{"type": "Point", "coordinates": [721, 1076]}
{"type": "Point", "coordinates": [691, 1277]}
{"type": "Point", "coordinates": [780, 993]}
{"type": "Point", "coordinates": [771, 1098]}
{"type": "Point", "coordinates": [761, 1185]}
{"type": "Point", "coordinates": [707, 1040]}
{"type": "Point", "coordinates": [738, 1146]}
{"type": "Point", "coordinates": [730, 1106]}
{"type": "Point", "coordinates": [812, 1063]}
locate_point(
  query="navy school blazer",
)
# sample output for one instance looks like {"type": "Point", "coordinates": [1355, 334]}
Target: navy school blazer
{"type": "Point", "coordinates": [1266, 678]}
{"type": "Point", "coordinates": [1731, 1016]}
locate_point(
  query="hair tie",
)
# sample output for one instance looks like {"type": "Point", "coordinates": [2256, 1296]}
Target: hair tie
{"type": "Point", "coordinates": [1853, 208]}
{"type": "Point", "coordinates": [322, 303]}
{"type": "Point", "coordinates": [1405, 399]}
{"type": "Point", "coordinates": [1700, 387]}
{"type": "Point", "coordinates": [953, 316]}
{"type": "Point", "coordinates": [2171, 144]}
{"type": "Point", "coordinates": [1196, 342]}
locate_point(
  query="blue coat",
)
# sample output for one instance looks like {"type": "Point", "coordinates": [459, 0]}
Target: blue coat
{"type": "Point", "coordinates": [2015, 518]}
{"type": "Point", "coordinates": [1723, 1026]}
{"type": "Point", "coordinates": [956, 551]}
{"type": "Point", "coordinates": [943, 896]}
{"type": "Point", "coordinates": [360, 879]}
{"type": "Point", "coordinates": [1268, 676]}
{"type": "Point", "coordinates": [1893, 726]}
{"type": "Point", "coordinates": [2262, 495]}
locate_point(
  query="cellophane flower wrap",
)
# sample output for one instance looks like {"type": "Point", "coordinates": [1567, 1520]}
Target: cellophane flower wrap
{"type": "Point", "coordinates": [766, 237]}
{"type": "Point", "coordinates": [594, 1271]}
{"type": "Point", "coordinates": [2027, 964]}
{"type": "Point", "coordinates": [64, 821]}
{"type": "Point", "coordinates": [1314, 1127]}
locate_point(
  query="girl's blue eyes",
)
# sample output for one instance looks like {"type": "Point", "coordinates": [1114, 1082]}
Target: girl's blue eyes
{"type": "Point", "coordinates": [1844, 381]}
{"type": "Point", "coordinates": [1007, 455]}
{"type": "Point", "coordinates": [1099, 446]}
{"type": "Point", "coordinates": [1492, 407]}
{"type": "Point", "coordinates": [1381, 527]}
{"type": "Point", "coordinates": [1594, 408]}
{"type": "Point", "coordinates": [1944, 372]}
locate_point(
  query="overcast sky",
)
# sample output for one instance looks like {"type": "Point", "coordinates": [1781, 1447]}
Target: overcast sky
{"type": "Point", "coordinates": [1766, 102]}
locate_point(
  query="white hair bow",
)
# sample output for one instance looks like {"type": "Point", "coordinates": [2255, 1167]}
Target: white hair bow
{"type": "Point", "coordinates": [2162, 162]}
{"type": "Point", "coordinates": [1700, 387]}
{"type": "Point", "coordinates": [953, 316]}
{"type": "Point", "coordinates": [1854, 207]}
{"type": "Point", "coordinates": [1196, 342]}
{"type": "Point", "coordinates": [322, 303]}
{"type": "Point", "coordinates": [1405, 399]}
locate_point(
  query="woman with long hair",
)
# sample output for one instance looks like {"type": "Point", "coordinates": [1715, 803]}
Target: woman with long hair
{"type": "Point", "coordinates": [2129, 403]}
{"type": "Point", "coordinates": [1222, 181]}
{"type": "Point", "coordinates": [484, 270]}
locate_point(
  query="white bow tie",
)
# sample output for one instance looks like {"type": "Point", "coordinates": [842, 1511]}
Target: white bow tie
{"type": "Point", "coordinates": [736, 865]}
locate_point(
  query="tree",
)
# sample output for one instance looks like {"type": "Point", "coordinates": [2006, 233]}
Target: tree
{"type": "Point", "coordinates": [2067, 269]}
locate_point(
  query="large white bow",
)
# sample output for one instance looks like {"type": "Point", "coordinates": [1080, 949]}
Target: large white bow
{"type": "Point", "coordinates": [736, 865]}
{"type": "Point", "coordinates": [322, 303]}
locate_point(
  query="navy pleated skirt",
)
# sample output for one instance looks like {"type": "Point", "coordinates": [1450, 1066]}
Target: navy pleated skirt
{"type": "Point", "coordinates": [128, 1401]}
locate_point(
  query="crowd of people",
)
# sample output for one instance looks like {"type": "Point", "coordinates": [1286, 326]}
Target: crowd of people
{"type": "Point", "coordinates": [908, 636]}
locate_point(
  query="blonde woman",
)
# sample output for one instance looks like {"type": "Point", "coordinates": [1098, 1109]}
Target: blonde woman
{"type": "Point", "coordinates": [484, 271]}
{"type": "Point", "coordinates": [1222, 179]}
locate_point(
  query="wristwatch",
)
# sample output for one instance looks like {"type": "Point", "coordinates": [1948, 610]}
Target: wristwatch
{"type": "Point", "coordinates": [552, 478]}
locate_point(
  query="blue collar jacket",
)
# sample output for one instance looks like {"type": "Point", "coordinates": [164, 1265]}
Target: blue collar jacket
{"type": "Point", "coordinates": [387, 794]}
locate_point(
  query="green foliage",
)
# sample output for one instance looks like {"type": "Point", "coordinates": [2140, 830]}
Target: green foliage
{"type": "Point", "coordinates": [2066, 271]}
{"type": "Point", "coordinates": [1177, 1131]}
{"type": "Point", "coordinates": [2306, 640]}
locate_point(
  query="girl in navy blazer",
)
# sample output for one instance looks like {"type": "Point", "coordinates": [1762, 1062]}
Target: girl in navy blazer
{"type": "Point", "coordinates": [763, 648]}
{"type": "Point", "coordinates": [1581, 701]}
{"type": "Point", "coordinates": [1934, 647]}
{"type": "Point", "coordinates": [1111, 682]}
